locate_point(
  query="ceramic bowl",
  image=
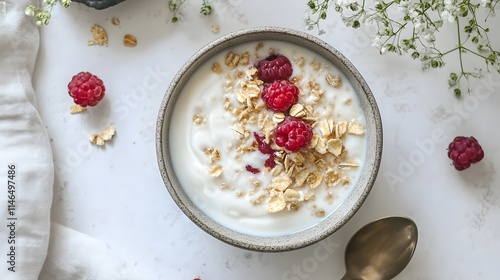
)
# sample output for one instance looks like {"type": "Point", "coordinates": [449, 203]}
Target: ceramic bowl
{"type": "Point", "coordinates": [326, 226]}
{"type": "Point", "coordinates": [99, 4]}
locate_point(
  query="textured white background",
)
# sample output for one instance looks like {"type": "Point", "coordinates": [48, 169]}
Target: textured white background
{"type": "Point", "coordinates": [116, 194]}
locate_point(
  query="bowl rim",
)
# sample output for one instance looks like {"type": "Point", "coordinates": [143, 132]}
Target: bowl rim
{"type": "Point", "coordinates": [232, 237]}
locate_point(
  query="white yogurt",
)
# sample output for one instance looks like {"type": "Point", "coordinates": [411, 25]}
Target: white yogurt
{"type": "Point", "coordinates": [204, 95]}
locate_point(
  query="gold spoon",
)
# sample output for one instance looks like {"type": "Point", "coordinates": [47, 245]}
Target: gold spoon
{"type": "Point", "coordinates": [381, 249]}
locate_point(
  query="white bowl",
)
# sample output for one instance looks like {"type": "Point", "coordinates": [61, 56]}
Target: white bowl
{"type": "Point", "coordinates": [328, 225]}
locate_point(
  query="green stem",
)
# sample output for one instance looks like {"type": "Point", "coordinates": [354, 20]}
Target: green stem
{"type": "Point", "coordinates": [460, 47]}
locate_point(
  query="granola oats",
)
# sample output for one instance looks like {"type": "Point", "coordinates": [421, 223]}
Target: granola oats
{"type": "Point", "coordinates": [129, 40]}
{"type": "Point", "coordinates": [355, 128]}
{"type": "Point", "coordinates": [99, 36]}
{"type": "Point", "coordinates": [276, 203]}
{"type": "Point", "coordinates": [334, 146]}
{"type": "Point", "coordinates": [215, 170]}
{"type": "Point", "coordinates": [216, 68]}
{"type": "Point", "coordinates": [215, 28]}
{"type": "Point", "coordinates": [103, 137]}
{"type": "Point", "coordinates": [297, 111]}
{"type": "Point", "coordinates": [308, 180]}
{"type": "Point", "coordinates": [232, 59]}
{"type": "Point", "coordinates": [333, 80]}
{"type": "Point", "coordinates": [75, 109]}
{"type": "Point", "coordinates": [291, 195]}
{"type": "Point", "coordinates": [198, 120]}
{"type": "Point", "coordinates": [340, 129]}
{"type": "Point", "coordinates": [213, 154]}
{"type": "Point", "coordinates": [278, 117]}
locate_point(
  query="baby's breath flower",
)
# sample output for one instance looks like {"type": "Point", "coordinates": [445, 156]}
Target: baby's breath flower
{"type": "Point", "coordinates": [30, 11]}
{"type": "Point", "coordinates": [376, 42]}
{"type": "Point", "coordinates": [412, 27]}
{"type": "Point", "coordinates": [65, 3]}
{"type": "Point", "coordinates": [43, 13]}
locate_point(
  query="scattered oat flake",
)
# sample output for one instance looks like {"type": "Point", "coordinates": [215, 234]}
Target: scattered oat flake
{"type": "Point", "coordinates": [332, 177]}
{"type": "Point", "coordinates": [298, 111]}
{"type": "Point", "coordinates": [75, 109]}
{"type": "Point", "coordinates": [215, 171]}
{"type": "Point", "coordinates": [291, 195]}
{"type": "Point", "coordinates": [321, 146]}
{"type": "Point", "coordinates": [300, 177]}
{"type": "Point", "coordinates": [197, 119]}
{"type": "Point", "coordinates": [280, 183]}
{"type": "Point", "coordinates": [245, 59]}
{"type": "Point", "coordinates": [213, 154]}
{"type": "Point", "coordinates": [115, 21]}
{"type": "Point", "coordinates": [95, 139]}
{"type": "Point", "coordinates": [259, 199]}
{"type": "Point", "coordinates": [101, 138]}
{"type": "Point", "coordinates": [276, 203]}
{"type": "Point", "coordinates": [232, 59]}
{"type": "Point", "coordinates": [309, 196]}
{"type": "Point", "coordinates": [326, 127]}
{"type": "Point", "coordinates": [99, 36]}
{"type": "Point", "coordinates": [292, 206]}
{"type": "Point", "coordinates": [278, 117]}
{"type": "Point", "coordinates": [215, 28]}
{"type": "Point", "coordinates": [334, 146]}
{"type": "Point", "coordinates": [216, 68]}
{"type": "Point", "coordinates": [314, 179]}
{"type": "Point", "coordinates": [129, 40]}
{"type": "Point", "coordinates": [348, 165]}
{"type": "Point", "coordinates": [355, 128]}
{"type": "Point", "coordinates": [319, 213]}
{"type": "Point", "coordinates": [108, 133]}
{"type": "Point", "coordinates": [340, 129]}
{"type": "Point", "coordinates": [333, 80]}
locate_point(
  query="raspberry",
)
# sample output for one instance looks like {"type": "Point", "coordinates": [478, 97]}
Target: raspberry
{"type": "Point", "coordinates": [252, 169]}
{"type": "Point", "coordinates": [464, 151]}
{"type": "Point", "coordinates": [266, 149]}
{"type": "Point", "coordinates": [275, 67]}
{"type": "Point", "coordinates": [261, 143]}
{"type": "Point", "coordinates": [293, 134]}
{"type": "Point", "coordinates": [280, 95]}
{"type": "Point", "coordinates": [86, 89]}
{"type": "Point", "coordinates": [270, 163]}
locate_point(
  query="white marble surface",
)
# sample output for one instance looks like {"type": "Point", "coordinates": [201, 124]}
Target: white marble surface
{"type": "Point", "coordinates": [116, 194]}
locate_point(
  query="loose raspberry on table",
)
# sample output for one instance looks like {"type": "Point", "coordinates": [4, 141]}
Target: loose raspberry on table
{"type": "Point", "coordinates": [293, 134]}
{"type": "Point", "coordinates": [274, 67]}
{"type": "Point", "coordinates": [86, 89]}
{"type": "Point", "coordinates": [464, 151]}
{"type": "Point", "coordinates": [280, 95]}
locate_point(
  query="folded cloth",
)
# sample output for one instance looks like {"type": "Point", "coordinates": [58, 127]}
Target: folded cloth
{"type": "Point", "coordinates": [26, 166]}
{"type": "Point", "coordinates": [77, 256]}
{"type": "Point", "coordinates": [27, 174]}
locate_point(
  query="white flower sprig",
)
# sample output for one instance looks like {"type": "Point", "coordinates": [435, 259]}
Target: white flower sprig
{"type": "Point", "coordinates": [175, 6]}
{"type": "Point", "coordinates": [43, 13]}
{"type": "Point", "coordinates": [411, 27]}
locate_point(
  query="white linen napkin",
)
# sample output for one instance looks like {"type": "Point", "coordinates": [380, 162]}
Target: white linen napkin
{"type": "Point", "coordinates": [76, 256]}
{"type": "Point", "coordinates": [27, 175]}
{"type": "Point", "coordinates": [26, 166]}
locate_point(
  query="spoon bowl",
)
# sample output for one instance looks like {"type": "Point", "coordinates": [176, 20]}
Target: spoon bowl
{"type": "Point", "coordinates": [381, 249]}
